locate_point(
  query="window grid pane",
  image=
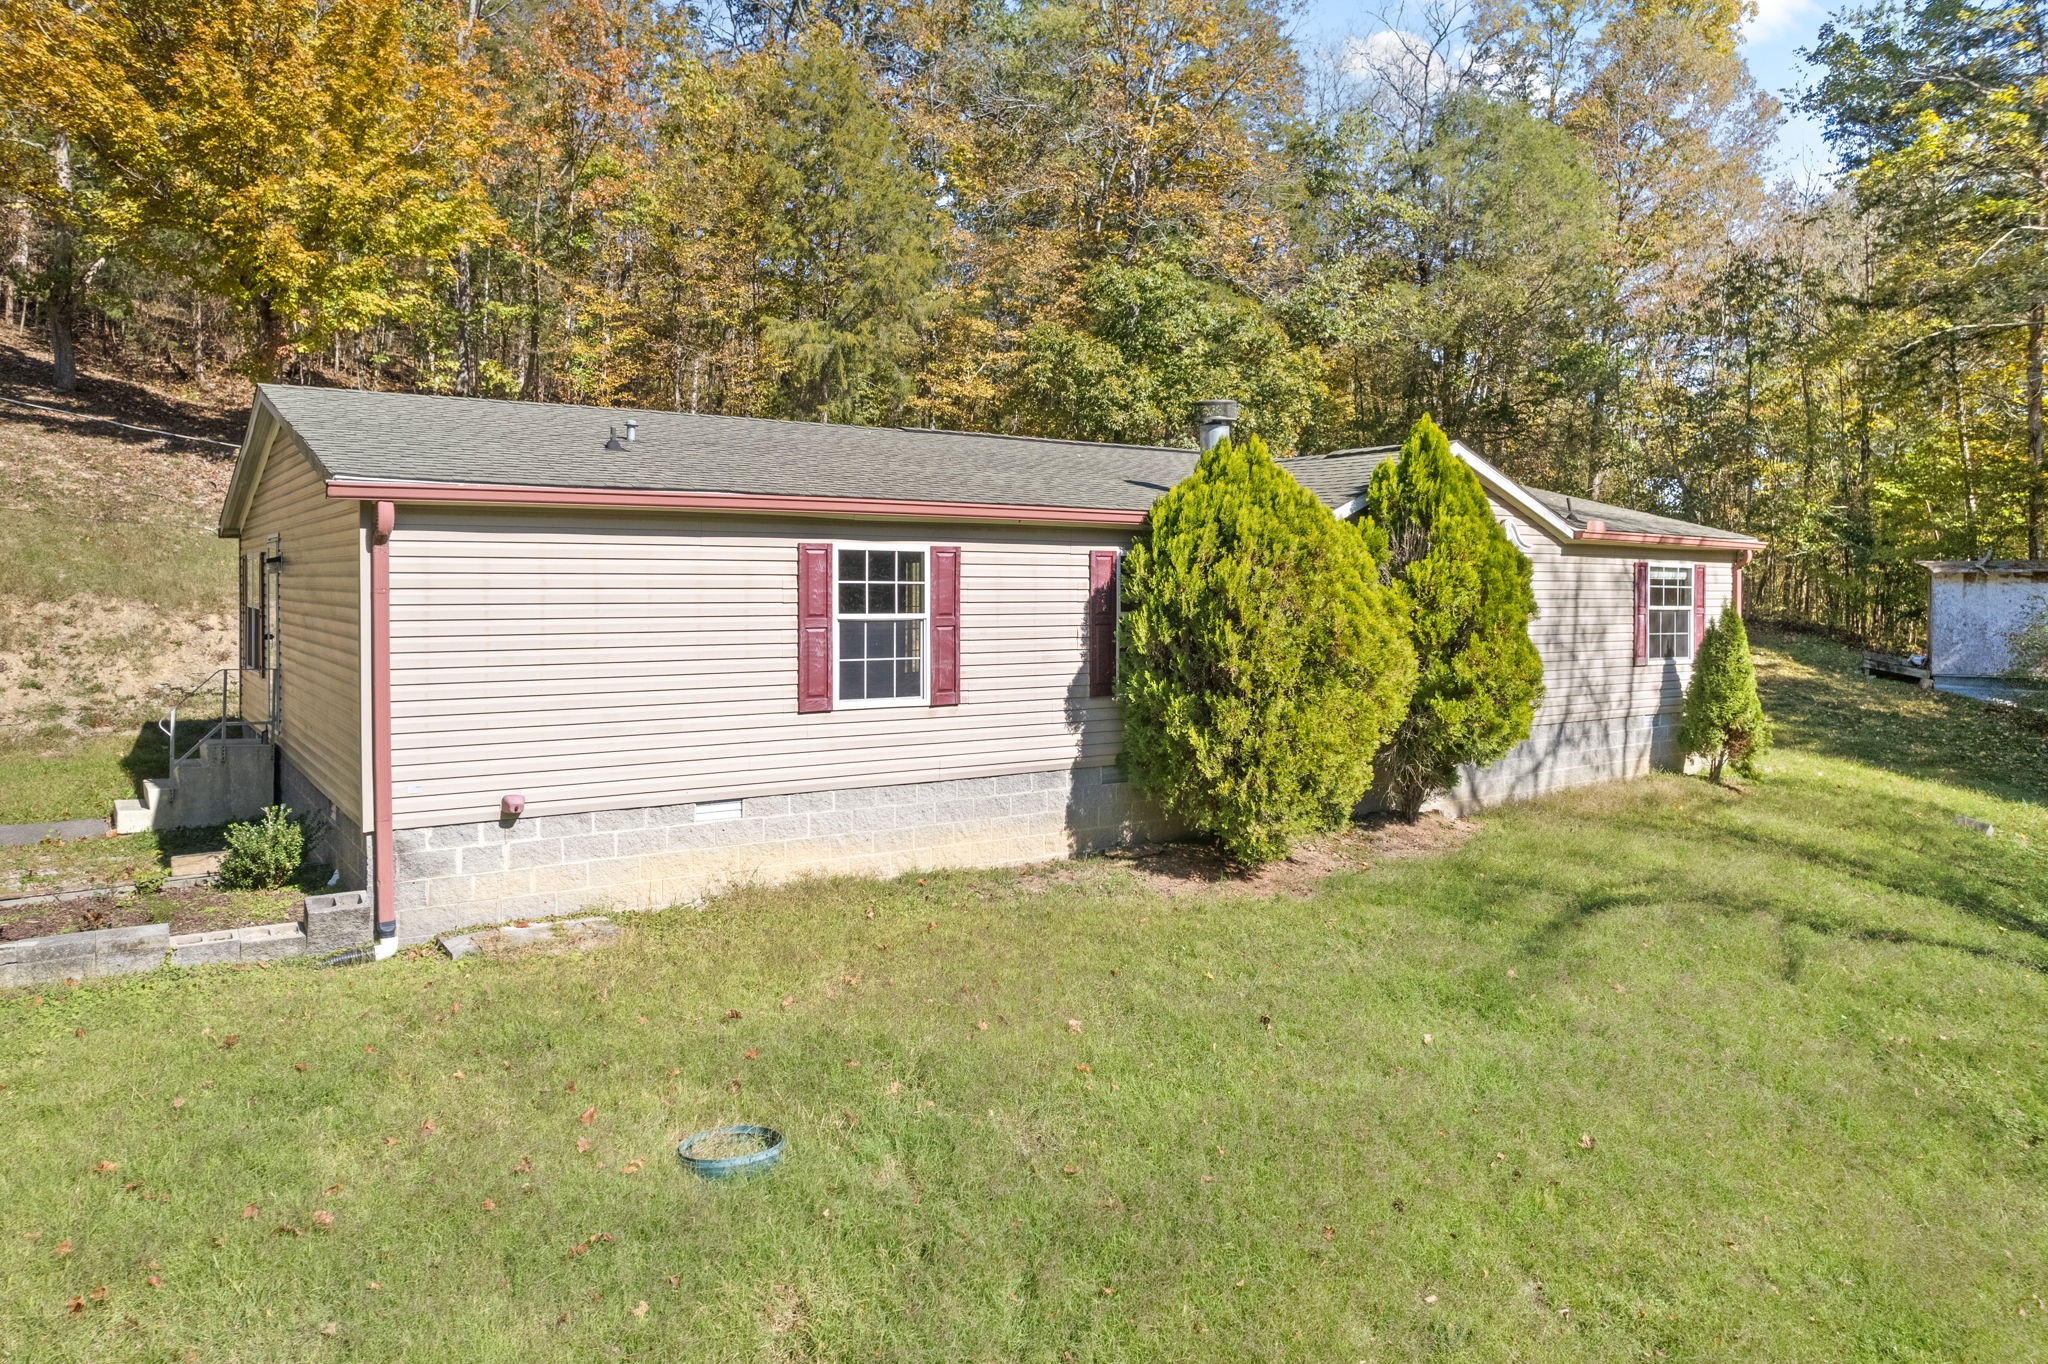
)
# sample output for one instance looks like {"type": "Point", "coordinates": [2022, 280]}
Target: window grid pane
{"type": "Point", "coordinates": [881, 659]}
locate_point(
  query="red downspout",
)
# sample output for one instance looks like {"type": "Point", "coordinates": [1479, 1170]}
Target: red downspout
{"type": "Point", "coordinates": [1741, 562]}
{"type": "Point", "coordinates": [385, 878]}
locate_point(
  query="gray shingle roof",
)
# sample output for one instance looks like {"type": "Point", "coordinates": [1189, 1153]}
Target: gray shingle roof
{"type": "Point", "coordinates": [1577, 511]}
{"type": "Point", "coordinates": [422, 438]}
{"type": "Point", "coordinates": [1337, 478]}
{"type": "Point", "coordinates": [415, 438]}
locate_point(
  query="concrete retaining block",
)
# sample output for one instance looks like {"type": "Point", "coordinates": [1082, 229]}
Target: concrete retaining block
{"type": "Point", "coordinates": [205, 949]}
{"type": "Point", "coordinates": [79, 956]}
{"type": "Point", "coordinates": [343, 920]}
{"type": "Point", "coordinates": [271, 942]}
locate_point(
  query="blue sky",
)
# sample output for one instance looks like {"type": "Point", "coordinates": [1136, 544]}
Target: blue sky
{"type": "Point", "coordinates": [1771, 43]}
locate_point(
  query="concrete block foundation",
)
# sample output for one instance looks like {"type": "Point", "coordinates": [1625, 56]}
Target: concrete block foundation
{"type": "Point", "coordinates": [460, 875]}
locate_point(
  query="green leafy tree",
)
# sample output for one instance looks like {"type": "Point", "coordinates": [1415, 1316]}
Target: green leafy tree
{"type": "Point", "coordinates": [1262, 660]}
{"type": "Point", "coordinates": [1156, 339]}
{"type": "Point", "coordinates": [1466, 594]}
{"type": "Point", "coordinates": [1724, 721]}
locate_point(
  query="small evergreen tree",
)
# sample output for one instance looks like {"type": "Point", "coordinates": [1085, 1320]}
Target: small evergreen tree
{"type": "Point", "coordinates": [1466, 594]}
{"type": "Point", "coordinates": [1262, 661]}
{"type": "Point", "coordinates": [1724, 721]}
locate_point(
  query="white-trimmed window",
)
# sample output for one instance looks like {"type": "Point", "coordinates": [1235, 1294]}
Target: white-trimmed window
{"type": "Point", "coordinates": [1670, 610]}
{"type": "Point", "coordinates": [883, 612]}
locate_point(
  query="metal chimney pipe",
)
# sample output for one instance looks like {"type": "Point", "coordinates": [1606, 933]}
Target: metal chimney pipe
{"type": "Point", "coordinates": [1211, 420]}
{"type": "Point", "coordinates": [632, 429]}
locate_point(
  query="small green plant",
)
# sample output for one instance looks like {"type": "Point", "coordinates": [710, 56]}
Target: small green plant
{"type": "Point", "coordinates": [263, 854]}
{"type": "Point", "coordinates": [1724, 721]}
{"type": "Point", "coordinates": [152, 880]}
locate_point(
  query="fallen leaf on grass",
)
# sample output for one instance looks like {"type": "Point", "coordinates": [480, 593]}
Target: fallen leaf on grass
{"type": "Point", "coordinates": [490, 1205]}
{"type": "Point", "coordinates": [1073, 1025]}
{"type": "Point", "coordinates": [99, 1293]}
{"type": "Point", "coordinates": [640, 1309]}
{"type": "Point", "coordinates": [75, 1306]}
{"type": "Point", "coordinates": [329, 1329]}
{"type": "Point", "coordinates": [427, 1128]}
{"type": "Point", "coordinates": [251, 1212]}
{"type": "Point", "coordinates": [631, 1167]}
{"type": "Point", "coordinates": [583, 1145]}
{"type": "Point", "coordinates": [588, 1115]}
{"type": "Point", "coordinates": [524, 1167]}
{"type": "Point", "coordinates": [675, 1281]}
{"type": "Point", "coordinates": [1070, 1169]}
{"type": "Point", "coordinates": [178, 1102]}
{"type": "Point", "coordinates": [230, 1040]}
{"type": "Point", "coordinates": [323, 1219]}
{"type": "Point", "coordinates": [154, 1281]}
{"type": "Point", "coordinates": [1586, 1141]}
{"type": "Point", "coordinates": [105, 1167]}
{"type": "Point", "coordinates": [1083, 1068]}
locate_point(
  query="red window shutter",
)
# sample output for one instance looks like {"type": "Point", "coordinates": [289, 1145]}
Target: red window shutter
{"type": "Point", "coordinates": [1642, 612]}
{"type": "Point", "coordinates": [1102, 622]}
{"type": "Point", "coordinates": [945, 625]}
{"type": "Point", "coordinates": [1699, 605]}
{"type": "Point", "coordinates": [813, 628]}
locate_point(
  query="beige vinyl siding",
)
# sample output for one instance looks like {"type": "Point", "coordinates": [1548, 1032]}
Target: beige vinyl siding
{"type": "Point", "coordinates": [1585, 625]}
{"type": "Point", "coordinates": [595, 660]}
{"type": "Point", "coordinates": [319, 612]}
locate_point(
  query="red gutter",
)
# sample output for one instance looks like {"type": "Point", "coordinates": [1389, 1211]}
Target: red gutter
{"type": "Point", "coordinates": [522, 495]}
{"type": "Point", "coordinates": [384, 879]}
{"type": "Point", "coordinates": [1625, 537]}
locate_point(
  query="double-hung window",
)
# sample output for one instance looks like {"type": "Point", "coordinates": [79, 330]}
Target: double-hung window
{"type": "Point", "coordinates": [1671, 610]}
{"type": "Point", "coordinates": [883, 611]}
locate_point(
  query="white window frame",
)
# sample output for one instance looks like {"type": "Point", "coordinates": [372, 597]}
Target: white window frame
{"type": "Point", "coordinates": [1685, 575]}
{"type": "Point", "coordinates": [923, 618]}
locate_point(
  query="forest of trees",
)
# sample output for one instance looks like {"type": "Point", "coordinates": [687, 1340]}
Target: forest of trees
{"type": "Point", "coordinates": [1550, 224]}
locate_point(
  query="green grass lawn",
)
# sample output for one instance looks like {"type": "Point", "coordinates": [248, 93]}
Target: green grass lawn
{"type": "Point", "coordinates": [1650, 1071]}
{"type": "Point", "coordinates": [47, 779]}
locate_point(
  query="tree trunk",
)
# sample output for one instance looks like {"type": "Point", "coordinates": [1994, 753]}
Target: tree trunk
{"type": "Point", "coordinates": [465, 331]}
{"type": "Point", "coordinates": [62, 297]}
{"type": "Point", "coordinates": [2035, 323]}
{"type": "Point", "coordinates": [273, 342]}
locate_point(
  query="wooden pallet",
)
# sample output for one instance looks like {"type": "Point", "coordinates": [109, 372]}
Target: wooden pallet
{"type": "Point", "coordinates": [1897, 668]}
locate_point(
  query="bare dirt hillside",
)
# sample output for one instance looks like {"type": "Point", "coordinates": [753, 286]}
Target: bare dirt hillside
{"type": "Point", "coordinates": [114, 590]}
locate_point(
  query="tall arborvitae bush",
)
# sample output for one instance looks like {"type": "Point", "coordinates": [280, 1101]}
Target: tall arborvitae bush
{"type": "Point", "coordinates": [1724, 721]}
{"type": "Point", "coordinates": [1262, 661]}
{"type": "Point", "coordinates": [1465, 591]}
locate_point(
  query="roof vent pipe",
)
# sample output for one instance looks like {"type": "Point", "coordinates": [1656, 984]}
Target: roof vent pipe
{"type": "Point", "coordinates": [632, 429]}
{"type": "Point", "coordinates": [1211, 420]}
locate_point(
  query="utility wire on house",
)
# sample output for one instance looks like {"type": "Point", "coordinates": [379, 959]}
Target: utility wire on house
{"type": "Point", "coordinates": [125, 426]}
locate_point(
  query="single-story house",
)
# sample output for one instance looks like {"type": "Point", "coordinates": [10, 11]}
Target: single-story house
{"type": "Point", "coordinates": [1975, 609]}
{"type": "Point", "coordinates": [517, 659]}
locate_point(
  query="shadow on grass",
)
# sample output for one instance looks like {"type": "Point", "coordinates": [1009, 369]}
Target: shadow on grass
{"type": "Point", "coordinates": [148, 756]}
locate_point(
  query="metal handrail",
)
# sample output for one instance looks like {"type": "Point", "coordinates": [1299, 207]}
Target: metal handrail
{"type": "Point", "coordinates": [168, 726]}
